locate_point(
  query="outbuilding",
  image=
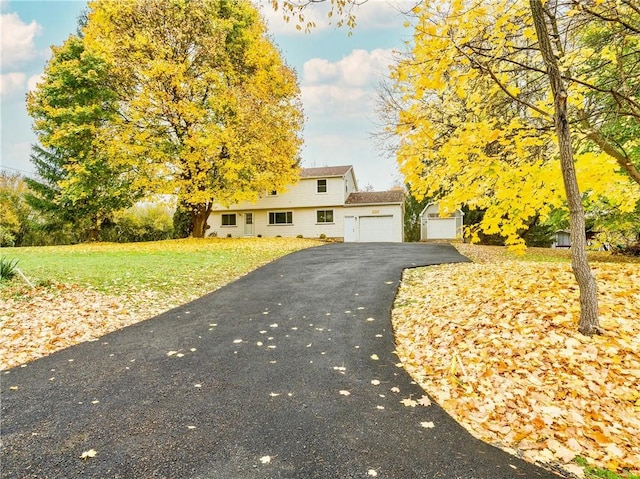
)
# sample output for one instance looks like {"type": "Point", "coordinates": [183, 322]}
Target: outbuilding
{"type": "Point", "coordinates": [434, 225]}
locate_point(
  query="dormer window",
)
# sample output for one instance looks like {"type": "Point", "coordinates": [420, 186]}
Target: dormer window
{"type": "Point", "coordinates": [322, 186]}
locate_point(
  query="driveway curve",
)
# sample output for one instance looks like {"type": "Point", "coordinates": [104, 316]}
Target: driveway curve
{"type": "Point", "coordinates": [288, 372]}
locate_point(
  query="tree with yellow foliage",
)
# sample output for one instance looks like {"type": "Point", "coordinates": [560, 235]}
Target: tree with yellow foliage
{"type": "Point", "coordinates": [505, 105]}
{"type": "Point", "coordinates": [208, 111]}
{"type": "Point", "coordinates": [494, 100]}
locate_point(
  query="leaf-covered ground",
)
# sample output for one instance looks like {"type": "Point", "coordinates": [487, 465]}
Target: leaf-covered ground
{"type": "Point", "coordinates": [496, 344]}
{"type": "Point", "coordinates": [86, 291]}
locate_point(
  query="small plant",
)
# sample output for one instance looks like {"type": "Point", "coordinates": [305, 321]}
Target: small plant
{"type": "Point", "coordinates": [300, 236]}
{"type": "Point", "coordinates": [592, 472]}
{"type": "Point", "coordinates": [322, 236]}
{"type": "Point", "coordinates": [7, 268]}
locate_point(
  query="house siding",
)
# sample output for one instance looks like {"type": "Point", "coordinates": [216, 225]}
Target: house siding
{"type": "Point", "coordinates": [304, 201]}
{"type": "Point", "coordinates": [304, 223]}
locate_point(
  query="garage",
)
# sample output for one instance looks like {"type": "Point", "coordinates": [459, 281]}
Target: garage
{"type": "Point", "coordinates": [374, 217]}
{"type": "Point", "coordinates": [369, 229]}
{"type": "Point", "coordinates": [374, 229]}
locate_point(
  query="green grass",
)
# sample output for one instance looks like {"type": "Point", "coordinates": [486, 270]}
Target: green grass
{"type": "Point", "coordinates": [591, 472]}
{"type": "Point", "coordinates": [163, 266]}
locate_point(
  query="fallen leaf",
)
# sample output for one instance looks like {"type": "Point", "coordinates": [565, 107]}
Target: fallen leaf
{"type": "Point", "coordinates": [409, 402]}
{"type": "Point", "coordinates": [427, 424]}
{"type": "Point", "coordinates": [88, 454]}
{"type": "Point", "coordinates": [345, 393]}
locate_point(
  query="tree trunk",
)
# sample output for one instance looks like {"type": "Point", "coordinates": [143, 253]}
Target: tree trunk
{"type": "Point", "coordinates": [199, 216]}
{"type": "Point", "coordinates": [589, 323]}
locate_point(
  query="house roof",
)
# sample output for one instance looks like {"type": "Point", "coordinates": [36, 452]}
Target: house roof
{"type": "Point", "coordinates": [325, 171]}
{"type": "Point", "coordinates": [375, 197]}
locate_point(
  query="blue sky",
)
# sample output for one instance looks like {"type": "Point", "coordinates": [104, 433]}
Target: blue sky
{"type": "Point", "coordinates": [338, 76]}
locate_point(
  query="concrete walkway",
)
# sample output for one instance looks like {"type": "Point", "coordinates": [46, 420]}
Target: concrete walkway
{"type": "Point", "coordinates": [288, 372]}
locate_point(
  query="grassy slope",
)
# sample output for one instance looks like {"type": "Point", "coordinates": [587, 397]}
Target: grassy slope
{"type": "Point", "coordinates": [85, 291]}
{"type": "Point", "coordinates": [194, 265]}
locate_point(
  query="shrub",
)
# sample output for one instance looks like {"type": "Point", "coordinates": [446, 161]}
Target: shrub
{"type": "Point", "coordinates": [7, 268]}
{"type": "Point", "coordinates": [322, 236]}
{"type": "Point", "coordinates": [144, 222]}
{"type": "Point", "coordinates": [299, 236]}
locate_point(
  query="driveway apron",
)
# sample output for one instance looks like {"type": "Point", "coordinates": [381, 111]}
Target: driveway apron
{"type": "Point", "coordinates": [289, 372]}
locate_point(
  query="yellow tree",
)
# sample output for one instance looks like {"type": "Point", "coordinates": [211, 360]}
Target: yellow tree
{"type": "Point", "coordinates": [489, 96]}
{"type": "Point", "coordinates": [208, 110]}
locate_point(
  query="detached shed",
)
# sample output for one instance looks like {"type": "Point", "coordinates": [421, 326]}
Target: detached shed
{"type": "Point", "coordinates": [436, 226]}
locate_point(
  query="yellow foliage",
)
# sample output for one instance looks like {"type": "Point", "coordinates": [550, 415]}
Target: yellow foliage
{"type": "Point", "coordinates": [463, 137]}
{"type": "Point", "coordinates": [210, 112]}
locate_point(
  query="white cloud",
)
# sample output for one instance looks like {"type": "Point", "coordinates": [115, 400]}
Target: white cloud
{"type": "Point", "coordinates": [345, 87]}
{"type": "Point", "coordinates": [373, 14]}
{"type": "Point", "coordinates": [11, 83]}
{"type": "Point", "coordinates": [33, 81]}
{"type": "Point", "coordinates": [334, 99]}
{"type": "Point", "coordinates": [17, 39]}
{"type": "Point", "coordinates": [359, 68]}
{"type": "Point", "coordinates": [278, 25]}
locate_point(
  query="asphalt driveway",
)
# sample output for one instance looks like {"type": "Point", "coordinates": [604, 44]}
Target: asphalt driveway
{"type": "Point", "coordinates": [288, 372]}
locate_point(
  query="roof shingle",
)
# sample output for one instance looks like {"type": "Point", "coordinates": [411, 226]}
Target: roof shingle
{"type": "Point", "coordinates": [375, 197]}
{"type": "Point", "coordinates": [325, 171]}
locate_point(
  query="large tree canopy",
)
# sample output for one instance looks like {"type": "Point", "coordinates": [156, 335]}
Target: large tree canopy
{"type": "Point", "coordinates": [207, 108]}
{"type": "Point", "coordinates": [500, 106]}
{"type": "Point", "coordinates": [72, 108]}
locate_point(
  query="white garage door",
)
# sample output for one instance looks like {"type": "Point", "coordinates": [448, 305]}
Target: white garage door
{"type": "Point", "coordinates": [441, 228]}
{"type": "Point", "coordinates": [376, 229]}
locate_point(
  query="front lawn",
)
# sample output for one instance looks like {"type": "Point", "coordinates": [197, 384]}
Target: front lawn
{"type": "Point", "coordinates": [85, 291]}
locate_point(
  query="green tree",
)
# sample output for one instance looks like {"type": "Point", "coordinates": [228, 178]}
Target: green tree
{"type": "Point", "coordinates": [207, 108]}
{"type": "Point", "coordinates": [73, 109]}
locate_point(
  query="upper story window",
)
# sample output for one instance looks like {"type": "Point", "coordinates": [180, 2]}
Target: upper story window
{"type": "Point", "coordinates": [322, 186]}
{"type": "Point", "coordinates": [228, 219]}
{"type": "Point", "coordinates": [272, 193]}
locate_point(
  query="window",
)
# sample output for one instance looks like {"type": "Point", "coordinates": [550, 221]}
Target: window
{"type": "Point", "coordinates": [272, 193]}
{"type": "Point", "coordinates": [281, 218]}
{"type": "Point", "coordinates": [228, 219]}
{"type": "Point", "coordinates": [324, 216]}
{"type": "Point", "coordinates": [322, 186]}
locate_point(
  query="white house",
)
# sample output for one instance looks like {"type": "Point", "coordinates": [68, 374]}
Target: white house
{"type": "Point", "coordinates": [433, 225]}
{"type": "Point", "coordinates": [324, 203]}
